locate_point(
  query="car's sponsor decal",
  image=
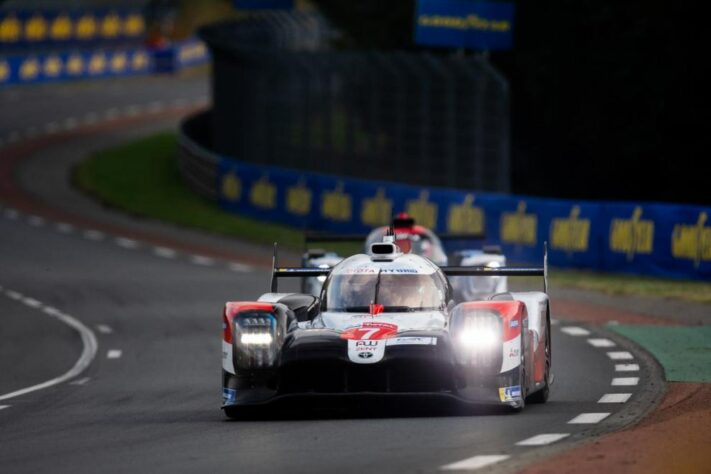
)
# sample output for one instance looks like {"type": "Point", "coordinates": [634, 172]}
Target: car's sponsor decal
{"type": "Point", "coordinates": [370, 330]}
{"type": "Point", "coordinates": [227, 363]}
{"type": "Point", "coordinates": [366, 351]}
{"type": "Point", "coordinates": [513, 323]}
{"type": "Point", "coordinates": [229, 395]}
{"type": "Point", "coordinates": [411, 341]}
{"type": "Point", "coordinates": [510, 394]}
{"type": "Point", "coordinates": [511, 354]}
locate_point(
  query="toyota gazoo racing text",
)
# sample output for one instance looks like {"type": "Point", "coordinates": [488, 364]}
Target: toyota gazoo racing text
{"type": "Point", "coordinates": [386, 325]}
{"type": "Point", "coordinates": [419, 240]}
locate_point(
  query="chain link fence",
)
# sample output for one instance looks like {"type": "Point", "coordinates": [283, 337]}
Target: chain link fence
{"type": "Point", "coordinates": [281, 97]}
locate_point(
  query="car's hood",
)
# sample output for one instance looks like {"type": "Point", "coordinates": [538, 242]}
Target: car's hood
{"type": "Point", "coordinates": [422, 321]}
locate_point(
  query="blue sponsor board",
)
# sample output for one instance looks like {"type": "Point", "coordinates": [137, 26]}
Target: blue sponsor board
{"type": "Point", "coordinates": [185, 53]}
{"type": "Point", "coordinates": [641, 238]}
{"type": "Point", "coordinates": [22, 28]}
{"type": "Point", "coordinates": [49, 67]}
{"type": "Point", "coordinates": [464, 24]}
{"type": "Point", "coordinates": [264, 4]}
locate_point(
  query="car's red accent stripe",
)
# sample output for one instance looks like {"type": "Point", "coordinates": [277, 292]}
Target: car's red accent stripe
{"type": "Point", "coordinates": [513, 314]}
{"type": "Point", "coordinates": [233, 308]}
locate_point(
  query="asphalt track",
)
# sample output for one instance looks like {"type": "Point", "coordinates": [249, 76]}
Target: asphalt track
{"type": "Point", "coordinates": [149, 398]}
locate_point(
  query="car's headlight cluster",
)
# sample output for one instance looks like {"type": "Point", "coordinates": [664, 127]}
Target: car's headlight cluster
{"type": "Point", "coordinates": [255, 342]}
{"type": "Point", "coordinates": [477, 337]}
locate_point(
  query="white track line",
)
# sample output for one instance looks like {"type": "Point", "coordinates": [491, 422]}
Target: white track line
{"type": "Point", "coordinates": [81, 381]}
{"type": "Point", "coordinates": [155, 106]}
{"type": "Point", "coordinates": [13, 295]}
{"type": "Point", "coordinates": [625, 381]}
{"type": "Point", "coordinates": [626, 367]}
{"type": "Point", "coordinates": [126, 243]}
{"type": "Point", "coordinates": [114, 354]}
{"type": "Point", "coordinates": [575, 331]}
{"type": "Point", "coordinates": [31, 302]}
{"type": "Point", "coordinates": [70, 123]}
{"type": "Point", "coordinates": [36, 221]}
{"type": "Point", "coordinates": [621, 355]}
{"type": "Point", "coordinates": [132, 110]}
{"type": "Point", "coordinates": [615, 398]}
{"type": "Point", "coordinates": [239, 267]}
{"type": "Point", "coordinates": [165, 252]}
{"type": "Point", "coordinates": [588, 418]}
{"type": "Point", "coordinates": [2, 407]}
{"type": "Point", "coordinates": [201, 260]}
{"type": "Point", "coordinates": [601, 342]}
{"type": "Point", "coordinates": [111, 113]}
{"type": "Point", "coordinates": [65, 228]}
{"type": "Point", "coordinates": [87, 354]}
{"type": "Point", "coordinates": [94, 235]}
{"type": "Point", "coordinates": [91, 118]}
{"type": "Point", "coordinates": [475, 462]}
{"type": "Point", "coordinates": [542, 439]}
{"type": "Point", "coordinates": [104, 329]}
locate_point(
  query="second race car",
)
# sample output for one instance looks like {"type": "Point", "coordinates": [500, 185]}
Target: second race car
{"type": "Point", "coordinates": [419, 240]}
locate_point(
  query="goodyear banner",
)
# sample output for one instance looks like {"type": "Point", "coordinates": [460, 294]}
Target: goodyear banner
{"type": "Point", "coordinates": [464, 24]}
{"type": "Point", "coordinates": [185, 53]}
{"type": "Point", "coordinates": [58, 27]}
{"type": "Point", "coordinates": [655, 239]}
{"type": "Point", "coordinates": [26, 69]}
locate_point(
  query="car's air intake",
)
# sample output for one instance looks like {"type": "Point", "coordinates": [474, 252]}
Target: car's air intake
{"type": "Point", "coordinates": [384, 251]}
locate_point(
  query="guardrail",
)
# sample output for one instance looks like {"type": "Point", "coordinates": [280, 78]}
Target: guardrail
{"type": "Point", "coordinates": [644, 238]}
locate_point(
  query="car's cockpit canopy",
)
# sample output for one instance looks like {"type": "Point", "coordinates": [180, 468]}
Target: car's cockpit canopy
{"type": "Point", "coordinates": [405, 284]}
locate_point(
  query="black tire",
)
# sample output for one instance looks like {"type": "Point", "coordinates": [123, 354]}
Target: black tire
{"type": "Point", "coordinates": [541, 395]}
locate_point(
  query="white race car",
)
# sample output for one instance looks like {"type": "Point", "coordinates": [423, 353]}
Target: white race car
{"type": "Point", "coordinates": [386, 325]}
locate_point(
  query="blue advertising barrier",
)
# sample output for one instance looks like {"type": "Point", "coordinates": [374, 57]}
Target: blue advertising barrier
{"type": "Point", "coordinates": [83, 64]}
{"type": "Point", "coordinates": [180, 54]}
{"type": "Point", "coordinates": [24, 69]}
{"type": "Point", "coordinates": [69, 28]}
{"type": "Point", "coordinates": [644, 238]}
{"type": "Point", "coordinates": [464, 24]}
{"type": "Point", "coordinates": [264, 4]}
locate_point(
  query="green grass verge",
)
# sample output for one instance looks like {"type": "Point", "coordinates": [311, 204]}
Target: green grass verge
{"type": "Point", "coordinates": [142, 178]}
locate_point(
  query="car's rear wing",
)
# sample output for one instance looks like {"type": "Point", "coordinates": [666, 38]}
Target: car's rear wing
{"type": "Point", "coordinates": [305, 272]}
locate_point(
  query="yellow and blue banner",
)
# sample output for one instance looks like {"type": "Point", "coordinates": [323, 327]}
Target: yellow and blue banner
{"type": "Point", "coordinates": [67, 65]}
{"type": "Point", "coordinates": [180, 54]}
{"type": "Point", "coordinates": [23, 28]}
{"type": "Point", "coordinates": [643, 238]}
{"type": "Point", "coordinates": [465, 24]}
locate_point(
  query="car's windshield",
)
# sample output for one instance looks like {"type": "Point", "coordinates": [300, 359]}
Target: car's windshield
{"type": "Point", "coordinates": [396, 292]}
